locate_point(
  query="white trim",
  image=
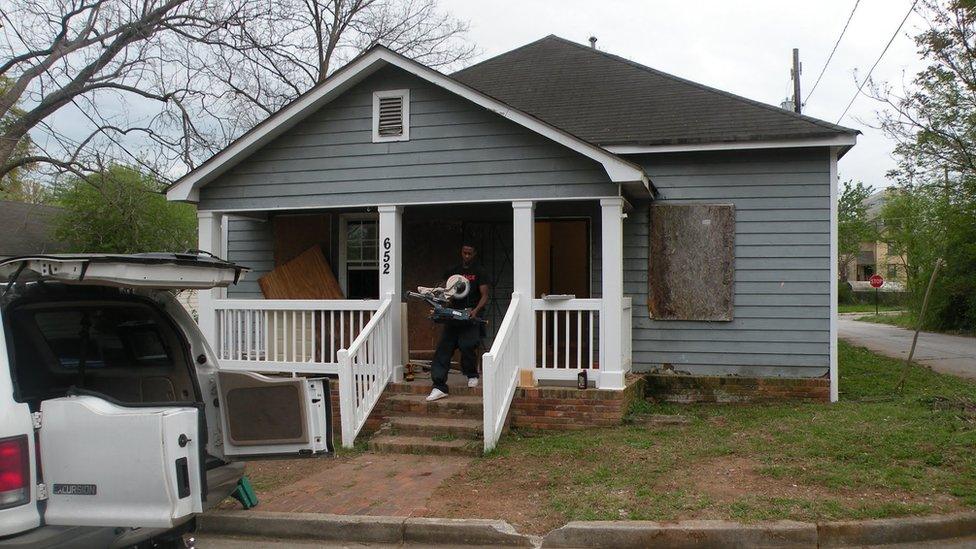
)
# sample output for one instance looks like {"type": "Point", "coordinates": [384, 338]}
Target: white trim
{"type": "Point", "coordinates": [612, 294]}
{"type": "Point", "coordinates": [428, 203]}
{"type": "Point", "coordinates": [341, 266]}
{"type": "Point", "coordinates": [838, 141]}
{"type": "Point", "coordinates": [187, 188]}
{"type": "Point", "coordinates": [404, 96]}
{"type": "Point", "coordinates": [834, 376]}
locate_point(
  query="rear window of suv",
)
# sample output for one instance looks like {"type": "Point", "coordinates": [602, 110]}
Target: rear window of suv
{"type": "Point", "coordinates": [125, 348]}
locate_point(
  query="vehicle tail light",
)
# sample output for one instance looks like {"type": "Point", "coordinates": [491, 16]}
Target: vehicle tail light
{"type": "Point", "coordinates": [14, 471]}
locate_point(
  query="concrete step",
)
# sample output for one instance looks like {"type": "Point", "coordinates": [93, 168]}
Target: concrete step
{"type": "Point", "coordinates": [467, 407]}
{"type": "Point", "coordinates": [424, 389]}
{"type": "Point", "coordinates": [403, 444]}
{"type": "Point", "coordinates": [437, 427]}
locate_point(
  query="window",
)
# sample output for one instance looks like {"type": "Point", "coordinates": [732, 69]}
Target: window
{"type": "Point", "coordinates": [391, 116]}
{"type": "Point", "coordinates": [892, 271]}
{"type": "Point", "coordinates": [360, 257]}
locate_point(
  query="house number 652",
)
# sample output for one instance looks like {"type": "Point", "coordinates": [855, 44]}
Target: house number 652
{"type": "Point", "coordinates": [386, 255]}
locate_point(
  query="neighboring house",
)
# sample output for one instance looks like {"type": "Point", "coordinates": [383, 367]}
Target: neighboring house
{"type": "Point", "coordinates": [28, 229]}
{"type": "Point", "coordinates": [680, 227]}
{"type": "Point", "coordinates": [873, 257]}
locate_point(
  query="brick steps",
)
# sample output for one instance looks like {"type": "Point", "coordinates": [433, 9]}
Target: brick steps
{"type": "Point", "coordinates": [411, 425]}
{"type": "Point", "coordinates": [403, 444]}
{"type": "Point", "coordinates": [436, 427]}
{"type": "Point", "coordinates": [469, 407]}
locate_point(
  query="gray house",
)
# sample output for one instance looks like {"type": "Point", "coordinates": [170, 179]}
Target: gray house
{"type": "Point", "coordinates": [631, 220]}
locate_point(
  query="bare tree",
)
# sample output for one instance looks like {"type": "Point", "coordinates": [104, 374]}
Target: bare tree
{"type": "Point", "coordinates": [109, 63]}
{"type": "Point", "coordinates": [277, 49]}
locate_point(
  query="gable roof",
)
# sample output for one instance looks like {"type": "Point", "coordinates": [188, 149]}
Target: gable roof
{"type": "Point", "coordinates": [625, 106]}
{"type": "Point", "coordinates": [187, 188]}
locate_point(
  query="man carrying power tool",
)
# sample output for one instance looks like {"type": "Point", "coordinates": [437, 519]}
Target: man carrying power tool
{"type": "Point", "coordinates": [463, 336]}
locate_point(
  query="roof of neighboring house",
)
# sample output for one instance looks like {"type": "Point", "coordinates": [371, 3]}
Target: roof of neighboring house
{"type": "Point", "coordinates": [875, 202]}
{"type": "Point", "coordinates": [28, 229]}
{"type": "Point", "coordinates": [609, 100]}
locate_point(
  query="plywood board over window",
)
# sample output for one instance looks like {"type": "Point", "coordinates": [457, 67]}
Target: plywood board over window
{"type": "Point", "coordinates": [691, 271]}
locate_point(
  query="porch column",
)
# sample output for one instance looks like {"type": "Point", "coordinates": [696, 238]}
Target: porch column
{"type": "Point", "coordinates": [611, 321]}
{"type": "Point", "coordinates": [209, 239]}
{"type": "Point", "coordinates": [523, 263]}
{"type": "Point", "coordinates": [391, 278]}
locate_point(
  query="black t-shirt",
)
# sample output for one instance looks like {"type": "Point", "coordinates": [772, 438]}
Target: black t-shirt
{"type": "Point", "coordinates": [476, 277]}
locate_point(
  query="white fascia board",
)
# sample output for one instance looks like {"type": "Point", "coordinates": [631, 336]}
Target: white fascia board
{"type": "Point", "coordinates": [837, 141]}
{"type": "Point", "coordinates": [618, 169]}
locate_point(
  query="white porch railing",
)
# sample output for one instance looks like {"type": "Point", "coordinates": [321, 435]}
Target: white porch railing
{"type": "Point", "coordinates": [568, 338]}
{"type": "Point", "coordinates": [287, 335]}
{"type": "Point", "coordinates": [364, 370]}
{"type": "Point", "coordinates": [499, 373]}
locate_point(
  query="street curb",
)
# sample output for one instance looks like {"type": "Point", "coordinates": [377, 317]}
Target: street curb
{"type": "Point", "coordinates": [585, 534]}
{"type": "Point", "coordinates": [896, 530]}
{"type": "Point", "coordinates": [317, 526]}
{"type": "Point", "coordinates": [684, 534]}
{"type": "Point", "coordinates": [363, 528]}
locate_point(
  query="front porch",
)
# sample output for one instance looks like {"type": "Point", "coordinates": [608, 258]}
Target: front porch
{"type": "Point", "coordinates": [580, 323]}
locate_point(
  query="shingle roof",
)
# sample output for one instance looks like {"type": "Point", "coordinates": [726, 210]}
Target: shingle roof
{"type": "Point", "coordinates": [608, 100]}
{"type": "Point", "coordinates": [28, 228]}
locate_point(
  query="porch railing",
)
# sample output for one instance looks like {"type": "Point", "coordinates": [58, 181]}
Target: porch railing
{"type": "Point", "coordinates": [500, 371]}
{"type": "Point", "coordinates": [365, 367]}
{"type": "Point", "coordinates": [568, 338]}
{"type": "Point", "coordinates": [287, 335]}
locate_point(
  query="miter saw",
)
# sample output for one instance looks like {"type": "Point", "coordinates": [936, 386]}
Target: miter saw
{"type": "Point", "coordinates": [456, 287]}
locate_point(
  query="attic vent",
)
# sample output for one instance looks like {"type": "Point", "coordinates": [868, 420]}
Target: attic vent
{"type": "Point", "coordinates": [391, 115]}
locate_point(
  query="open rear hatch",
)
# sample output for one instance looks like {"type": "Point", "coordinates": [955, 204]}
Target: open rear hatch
{"type": "Point", "coordinates": [149, 270]}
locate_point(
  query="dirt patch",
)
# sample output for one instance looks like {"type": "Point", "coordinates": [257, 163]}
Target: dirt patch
{"type": "Point", "coordinates": [518, 493]}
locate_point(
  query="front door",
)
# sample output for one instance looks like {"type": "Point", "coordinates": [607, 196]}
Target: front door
{"type": "Point", "coordinates": [562, 257]}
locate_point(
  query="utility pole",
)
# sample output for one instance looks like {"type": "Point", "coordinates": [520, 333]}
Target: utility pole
{"type": "Point", "coordinates": [795, 73]}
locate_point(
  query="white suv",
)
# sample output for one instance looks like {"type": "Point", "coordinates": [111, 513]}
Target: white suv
{"type": "Point", "coordinates": [117, 425]}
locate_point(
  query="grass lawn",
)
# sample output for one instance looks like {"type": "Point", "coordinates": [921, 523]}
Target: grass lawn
{"type": "Point", "coordinates": [872, 455]}
{"type": "Point", "coordinates": [865, 308]}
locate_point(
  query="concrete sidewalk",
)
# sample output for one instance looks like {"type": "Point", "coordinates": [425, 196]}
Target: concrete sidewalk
{"type": "Point", "coordinates": [949, 354]}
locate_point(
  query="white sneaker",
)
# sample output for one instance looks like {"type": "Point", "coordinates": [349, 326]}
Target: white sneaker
{"type": "Point", "coordinates": [436, 394]}
{"type": "Point", "coordinates": [472, 382]}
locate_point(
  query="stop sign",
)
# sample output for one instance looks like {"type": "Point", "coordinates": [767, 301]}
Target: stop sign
{"type": "Point", "coordinates": [877, 281]}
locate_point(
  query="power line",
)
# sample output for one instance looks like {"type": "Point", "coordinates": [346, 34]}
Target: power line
{"type": "Point", "coordinates": [885, 50]}
{"type": "Point", "coordinates": [832, 51]}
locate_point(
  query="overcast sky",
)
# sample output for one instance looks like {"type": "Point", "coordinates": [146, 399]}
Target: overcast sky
{"type": "Point", "coordinates": [742, 47]}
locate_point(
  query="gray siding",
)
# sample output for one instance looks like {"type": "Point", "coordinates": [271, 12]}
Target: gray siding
{"type": "Point", "coordinates": [457, 152]}
{"type": "Point", "coordinates": [249, 243]}
{"type": "Point", "coordinates": [782, 266]}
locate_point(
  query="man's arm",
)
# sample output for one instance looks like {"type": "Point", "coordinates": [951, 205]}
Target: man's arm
{"type": "Point", "coordinates": [481, 302]}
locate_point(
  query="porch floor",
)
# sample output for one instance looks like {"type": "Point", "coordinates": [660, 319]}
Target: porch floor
{"type": "Point", "coordinates": [455, 380]}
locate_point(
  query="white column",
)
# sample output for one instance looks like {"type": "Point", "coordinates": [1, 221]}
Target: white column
{"type": "Point", "coordinates": [523, 262]}
{"type": "Point", "coordinates": [209, 239]}
{"type": "Point", "coordinates": [834, 276]}
{"type": "Point", "coordinates": [391, 279]}
{"type": "Point", "coordinates": [611, 321]}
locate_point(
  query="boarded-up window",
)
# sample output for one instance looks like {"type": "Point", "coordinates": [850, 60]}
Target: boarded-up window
{"type": "Point", "coordinates": [691, 261]}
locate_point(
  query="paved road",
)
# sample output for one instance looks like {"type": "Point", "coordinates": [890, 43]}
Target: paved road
{"type": "Point", "coordinates": [215, 542]}
{"type": "Point", "coordinates": [948, 354]}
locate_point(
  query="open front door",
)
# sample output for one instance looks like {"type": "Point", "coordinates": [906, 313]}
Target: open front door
{"type": "Point", "coordinates": [106, 464]}
{"type": "Point", "coordinates": [274, 416]}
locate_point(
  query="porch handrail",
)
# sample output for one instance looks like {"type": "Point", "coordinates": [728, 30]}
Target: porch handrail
{"type": "Point", "coordinates": [298, 304]}
{"type": "Point", "coordinates": [365, 368]}
{"type": "Point", "coordinates": [500, 371]}
{"type": "Point", "coordinates": [287, 335]}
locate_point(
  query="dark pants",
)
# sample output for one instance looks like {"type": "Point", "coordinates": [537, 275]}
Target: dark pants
{"type": "Point", "coordinates": [455, 336]}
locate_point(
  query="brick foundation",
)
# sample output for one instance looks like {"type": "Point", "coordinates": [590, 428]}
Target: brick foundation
{"type": "Point", "coordinates": [563, 409]}
{"type": "Point", "coordinates": [733, 389]}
